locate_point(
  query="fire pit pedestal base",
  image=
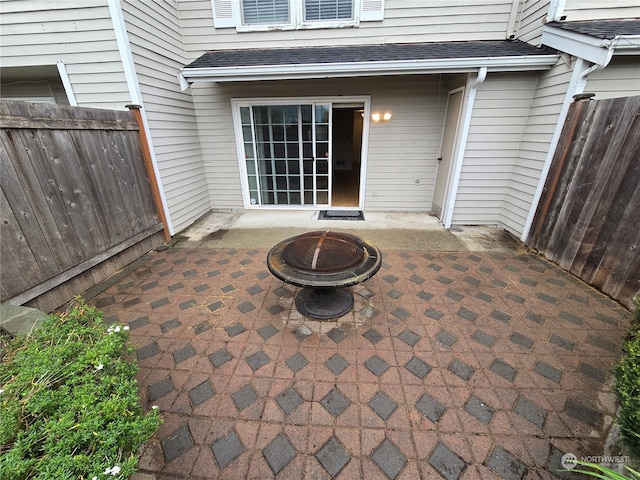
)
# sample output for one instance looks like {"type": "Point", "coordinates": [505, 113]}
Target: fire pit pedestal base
{"type": "Point", "coordinates": [324, 303]}
{"type": "Point", "coordinates": [324, 264]}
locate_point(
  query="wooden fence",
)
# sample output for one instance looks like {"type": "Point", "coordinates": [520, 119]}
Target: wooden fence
{"type": "Point", "coordinates": [588, 219]}
{"type": "Point", "coordinates": [76, 203]}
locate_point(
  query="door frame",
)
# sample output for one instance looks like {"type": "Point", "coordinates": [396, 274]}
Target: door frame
{"type": "Point", "coordinates": [236, 103]}
{"type": "Point", "coordinates": [446, 177]}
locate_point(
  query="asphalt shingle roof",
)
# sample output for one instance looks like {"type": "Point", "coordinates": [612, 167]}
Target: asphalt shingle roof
{"type": "Point", "coordinates": [606, 29]}
{"type": "Point", "coordinates": [365, 53]}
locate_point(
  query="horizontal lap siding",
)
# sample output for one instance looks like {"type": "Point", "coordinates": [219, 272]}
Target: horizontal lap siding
{"type": "Point", "coordinates": [406, 21]}
{"type": "Point", "coordinates": [78, 33]}
{"type": "Point", "coordinates": [498, 120]}
{"type": "Point", "coordinates": [576, 10]}
{"type": "Point", "coordinates": [621, 78]}
{"type": "Point", "coordinates": [534, 13]}
{"type": "Point", "coordinates": [155, 39]}
{"type": "Point", "coordinates": [400, 150]}
{"type": "Point", "coordinates": [547, 101]}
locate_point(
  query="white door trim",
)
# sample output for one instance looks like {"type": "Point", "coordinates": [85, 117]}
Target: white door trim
{"type": "Point", "coordinates": [447, 175]}
{"type": "Point", "coordinates": [456, 165]}
{"type": "Point", "coordinates": [236, 103]}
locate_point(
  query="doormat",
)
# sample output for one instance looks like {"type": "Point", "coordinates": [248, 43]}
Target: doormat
{"type": "Point", "coordinates": [341, 215]}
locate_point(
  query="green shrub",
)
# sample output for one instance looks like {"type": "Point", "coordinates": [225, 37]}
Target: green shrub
{"type": "Point", "coordinates": [627, 386]}
{"type": "Point", "coordinates": [69, 406]}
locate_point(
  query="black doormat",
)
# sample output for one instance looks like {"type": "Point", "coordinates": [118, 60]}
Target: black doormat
{"type": "Point", "coordinates": [341, 215]}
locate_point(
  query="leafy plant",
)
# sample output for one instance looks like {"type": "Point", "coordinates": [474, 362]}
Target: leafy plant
{"type": "Point", "coordinates": [627, 386]}
{"type": "Point", "coordinates": [69, 406]}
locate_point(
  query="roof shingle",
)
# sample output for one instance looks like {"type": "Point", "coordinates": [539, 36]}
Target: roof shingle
{"type": "Point", "coordinates": [366, 53]}
{"type": "Point", "coordinates": [605, 29]}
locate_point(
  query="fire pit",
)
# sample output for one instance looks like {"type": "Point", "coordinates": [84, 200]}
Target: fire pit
{"type": "Point", "coordinates": [324, 264]}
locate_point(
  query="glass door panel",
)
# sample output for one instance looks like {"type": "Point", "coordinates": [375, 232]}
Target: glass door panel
{"type": "Point", "coordinates": [286, 150]}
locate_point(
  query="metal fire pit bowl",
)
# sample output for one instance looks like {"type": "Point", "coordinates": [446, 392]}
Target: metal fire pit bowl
{"type": "Point", "coordinates": [324, 264]}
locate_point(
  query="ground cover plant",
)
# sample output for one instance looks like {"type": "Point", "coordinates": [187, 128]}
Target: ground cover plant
{"type": "Point", "coordinates": [69, 406]}
{"type": "Point", "coordinates": [627, 386]}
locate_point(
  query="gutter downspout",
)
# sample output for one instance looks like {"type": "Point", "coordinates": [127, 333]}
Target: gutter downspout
{"type": "Point", "coordinates": [472, 87]}
{"type": "Point", "coordinates": [126, 56]}
{"type": "Point", "coordinates": [514, 18]}
{"type": "Point", "coordinates": [556, 10]}
{"type": "Point", "coordinates": [577, 84]}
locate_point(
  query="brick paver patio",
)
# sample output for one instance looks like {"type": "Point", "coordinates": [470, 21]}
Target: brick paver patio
{"type": "Point", "coordinates": [455, 365]}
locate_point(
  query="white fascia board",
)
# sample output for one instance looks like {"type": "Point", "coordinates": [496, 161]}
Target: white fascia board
{"type": "Point", "coordinates": [355, 69]}
{"type": "Point", "coordinates": [594, 50]}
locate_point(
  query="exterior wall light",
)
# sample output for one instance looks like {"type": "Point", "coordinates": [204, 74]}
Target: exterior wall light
{"type": "Point", "coordinates": [377, 116]}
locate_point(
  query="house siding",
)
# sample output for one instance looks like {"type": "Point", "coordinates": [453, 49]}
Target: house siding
{"type": "Point", "coordinates": [407, 21]}
{"type": "Point", "coordinates": [534, 13]}
{"type": "Point", "coordinates": [497, 126]}
{"type": "Point", "coordinates": [576, 10]}
{"type": "Point", "coordinates": [621, 78]}
{"type": "Point", "coordinates": [154, 33]}
{"type": "Point", "coordinates": [77, 33]}
{"type": "Point", "coordinates": [399, 151]}
{"type": "Point", "coordinates": [550, 92]}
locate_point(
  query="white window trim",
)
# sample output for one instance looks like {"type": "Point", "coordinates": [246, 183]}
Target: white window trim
{"type": "Point", "coordinates": [296, 17]}
{"type": "Point", "coordinates": [236, 103]}
{"type": "Point", "coordinates": [228, 14]}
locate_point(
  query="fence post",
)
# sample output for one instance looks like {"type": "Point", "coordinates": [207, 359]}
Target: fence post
{"type": "Point", "coordinates": [148, 163]}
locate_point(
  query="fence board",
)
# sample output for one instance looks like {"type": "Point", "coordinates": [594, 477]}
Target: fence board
{"type": "Point", "coordinates": [76, 200]}
{"type": "Point", "coordinates": [587, 220]}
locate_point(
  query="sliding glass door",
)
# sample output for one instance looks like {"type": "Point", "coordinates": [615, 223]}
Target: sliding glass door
{"type": "Point", "coordinates": [287, 151]}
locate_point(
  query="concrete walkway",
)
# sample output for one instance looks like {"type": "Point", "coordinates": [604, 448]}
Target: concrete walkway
{"type": "Point", "coordinates": [484, 362]}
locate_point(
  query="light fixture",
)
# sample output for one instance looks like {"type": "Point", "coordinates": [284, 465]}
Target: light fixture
{"type": "Point", "coordinates": [377, 116]}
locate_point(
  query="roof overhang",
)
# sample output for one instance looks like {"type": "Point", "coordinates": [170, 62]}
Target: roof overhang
{"type": "Point", "coordinates": [204, 71]}
{"type": "Point", "coordinates": [364, 69]}
{"type": "Point", "coordinates": [591, 48]}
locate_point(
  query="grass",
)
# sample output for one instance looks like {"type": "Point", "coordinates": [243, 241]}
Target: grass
{"type": "Point", "coordinates": [69, 406]}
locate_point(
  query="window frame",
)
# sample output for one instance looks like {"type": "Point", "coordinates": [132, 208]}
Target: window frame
{"type": "Point", "coordinates": [296, 19]}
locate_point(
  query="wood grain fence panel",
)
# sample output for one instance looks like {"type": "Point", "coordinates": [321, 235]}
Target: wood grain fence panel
{"type": "Point", "coordinates": [32, 212]}
{"type": "Point", "coordinates": [18, 261]}
{"type": "Point", "coordinates": [588, 218]}
{"type": "Point", "coordinates": [110, 205]}
{"type": "Point", "coordinates": [619, 174]}
{"type": "Point", "coordinates": [70, 172]}
{"type": "Point", "coordinates": [76, 199]}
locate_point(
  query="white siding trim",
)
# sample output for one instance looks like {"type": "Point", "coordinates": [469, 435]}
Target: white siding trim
{"type": "Point", "coordinates": [126, 56]}
{"type": "Point", "coordinates": [120, 30]}
{"type": "Point", "coordinates": [456, 167]}
{"type": "Point", "coordinates": [576, 86]}
{"type": "Point", "coordinates": [66, 82]}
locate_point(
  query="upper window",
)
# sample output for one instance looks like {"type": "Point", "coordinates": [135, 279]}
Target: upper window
{"type": "Point", "coordinates": [317, 10]}
{"type": "Point", "coordinates": [265, 12]}
{"type": "Point", "coordinates": [252, 15]}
